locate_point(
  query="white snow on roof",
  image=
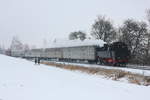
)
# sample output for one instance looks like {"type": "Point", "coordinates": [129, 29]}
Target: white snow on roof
{"type": "Point", "coordinates": [74, 43]}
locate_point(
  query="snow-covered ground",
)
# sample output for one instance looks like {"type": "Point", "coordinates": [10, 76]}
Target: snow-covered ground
{"type": "Point", "coordinates": [22, 80]}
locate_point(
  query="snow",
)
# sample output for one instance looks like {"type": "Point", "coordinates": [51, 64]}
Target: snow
{"type": "Point", "coordinates": [74, 43]}
{"type": "Point", "coordinates": [23, 80]}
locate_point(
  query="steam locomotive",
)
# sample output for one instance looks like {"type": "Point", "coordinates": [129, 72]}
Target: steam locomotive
{"type": "Point", "coordinates": [116, 54]}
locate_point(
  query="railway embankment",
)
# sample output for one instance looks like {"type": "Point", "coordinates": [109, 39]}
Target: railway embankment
{"type": "Point", "coordinates": [114, 74]}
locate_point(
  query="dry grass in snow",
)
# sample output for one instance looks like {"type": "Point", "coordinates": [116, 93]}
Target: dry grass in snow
{"type": "Point", "coordinates": [115, 74]}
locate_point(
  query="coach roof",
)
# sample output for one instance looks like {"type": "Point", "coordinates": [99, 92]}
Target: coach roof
{"type": "Point", "coordinates": [75, 43]}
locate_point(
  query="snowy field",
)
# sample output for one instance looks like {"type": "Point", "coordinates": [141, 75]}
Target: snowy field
{"type": "Point", "coordinates": [22, 80]}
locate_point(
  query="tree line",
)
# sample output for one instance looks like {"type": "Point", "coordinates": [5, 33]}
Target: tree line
{"type": "Point", "coordinates": [136, 34]}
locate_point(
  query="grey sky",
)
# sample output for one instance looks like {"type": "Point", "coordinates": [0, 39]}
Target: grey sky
{"type": "Point", "coordinates": [35, 20]}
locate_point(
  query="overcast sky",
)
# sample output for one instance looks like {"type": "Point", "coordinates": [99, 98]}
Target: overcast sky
{"type": "Point", "coordinates": [35, 20]}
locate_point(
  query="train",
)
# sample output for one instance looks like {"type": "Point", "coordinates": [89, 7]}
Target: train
{"type": "Point", "coordinates": [114, 54]}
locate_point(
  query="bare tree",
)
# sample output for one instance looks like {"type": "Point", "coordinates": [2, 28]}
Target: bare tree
{"type": "Point", "coordinates": [72, 36]}
{"type": "Point", "coordinates": [147, 56]}
{"type": "Point", "coordinates": [133, 34]}
{"type": "Point", "coordinates": [16, 48]}
{"type": "Point", "coordinates": [148, 18]}
{"type": "Point", "coordinates": [16, 44]}
{"type": "Point", "coordinates": [77, 35]}
{"type": "Point", "coordinates": [103, 29]}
